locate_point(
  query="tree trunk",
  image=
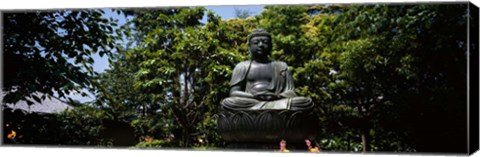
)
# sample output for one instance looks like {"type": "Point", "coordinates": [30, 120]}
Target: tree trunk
{"type": "Point", "coordinates": [366, 139]}
{"type": "Point", "coordinates": [185, 137]}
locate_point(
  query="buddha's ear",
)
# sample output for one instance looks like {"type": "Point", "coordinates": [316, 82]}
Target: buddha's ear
{"type": "Point", "coordinates": [283, 72]}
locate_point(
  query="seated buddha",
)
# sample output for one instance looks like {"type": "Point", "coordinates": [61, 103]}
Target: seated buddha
{"type": "Point", "coordinates": [263, 84]}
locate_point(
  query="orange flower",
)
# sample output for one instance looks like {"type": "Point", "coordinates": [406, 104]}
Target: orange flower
{"type": "Point", "coordinates": [314, 150]}
{"type": "Point", "coordinates": [12, 135]}
{"type": "Point", "coordinates": [148, 139]}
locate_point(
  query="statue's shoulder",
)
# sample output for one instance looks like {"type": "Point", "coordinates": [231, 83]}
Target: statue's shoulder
{"type": "Point", "coordinates": [242, 65]}
{"type": "Point", "coordinates": [280, 64]}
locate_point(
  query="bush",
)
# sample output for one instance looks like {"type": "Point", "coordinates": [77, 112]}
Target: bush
{"type": "Point", "coordinates": [156, 144]}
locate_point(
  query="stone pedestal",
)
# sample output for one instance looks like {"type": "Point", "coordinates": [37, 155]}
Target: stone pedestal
{"type": "Point", "coordinates": [264, 129]}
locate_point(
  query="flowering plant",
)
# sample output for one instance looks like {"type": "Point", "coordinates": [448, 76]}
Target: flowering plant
{"type": "Point", "coordinates": [12, 135]}
{"type": "Point", "coordinates": [310, 148]}
{"type": "Point", "coordinates": [283, 146]}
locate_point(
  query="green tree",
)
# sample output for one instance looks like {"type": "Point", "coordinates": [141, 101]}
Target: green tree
{"type": "Point", "coordinates": [242, 14]}
{"type": "Point", "coordinates": [183, 65]}
{"type": "Point", "coordinates": [51, 51]}
{"type": "Point", "coordinates": [397, 65]}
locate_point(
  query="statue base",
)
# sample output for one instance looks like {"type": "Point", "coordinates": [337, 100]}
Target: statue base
{"type": "Point", "coordinates": [254, 129]}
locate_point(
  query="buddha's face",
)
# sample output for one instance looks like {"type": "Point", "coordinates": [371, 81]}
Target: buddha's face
{"type": "Point", "coordinates": [260, 46]}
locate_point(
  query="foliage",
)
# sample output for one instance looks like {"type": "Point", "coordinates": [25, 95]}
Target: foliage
{"type": "Point", "coordinates": [51, 52]}
{"type": "Point", "coordinates": [417, 61]}
{"type": "Point", "coordinates": [155, 144]}
{"type": "Point", "coordinates": [242, 14]}
{"type": "Point", "coordinates": [80, 126]}
{"type": "Point", "coordinates": [175, 86]}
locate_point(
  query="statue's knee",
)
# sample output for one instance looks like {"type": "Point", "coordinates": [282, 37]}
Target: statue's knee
{"type": "Point", "coordinates": [228, 100]}
{"type": "Point", "coordinates": [301, 100]}
{"type": "Point", "coordinates": [237, 101]}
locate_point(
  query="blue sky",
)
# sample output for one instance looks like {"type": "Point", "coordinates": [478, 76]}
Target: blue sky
{"type": "Point", "coordinates": [226, 12]}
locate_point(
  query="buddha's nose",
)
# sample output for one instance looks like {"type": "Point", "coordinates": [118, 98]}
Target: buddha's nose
{"type": "Point", "coordinates": [260, 44]}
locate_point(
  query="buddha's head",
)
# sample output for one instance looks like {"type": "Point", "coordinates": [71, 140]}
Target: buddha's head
{"type": "Point", "coordinates": [260, 44]}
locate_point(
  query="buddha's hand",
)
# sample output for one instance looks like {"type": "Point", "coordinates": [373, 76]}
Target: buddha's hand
{"type": "Point", "coordinates": [266, 96]}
